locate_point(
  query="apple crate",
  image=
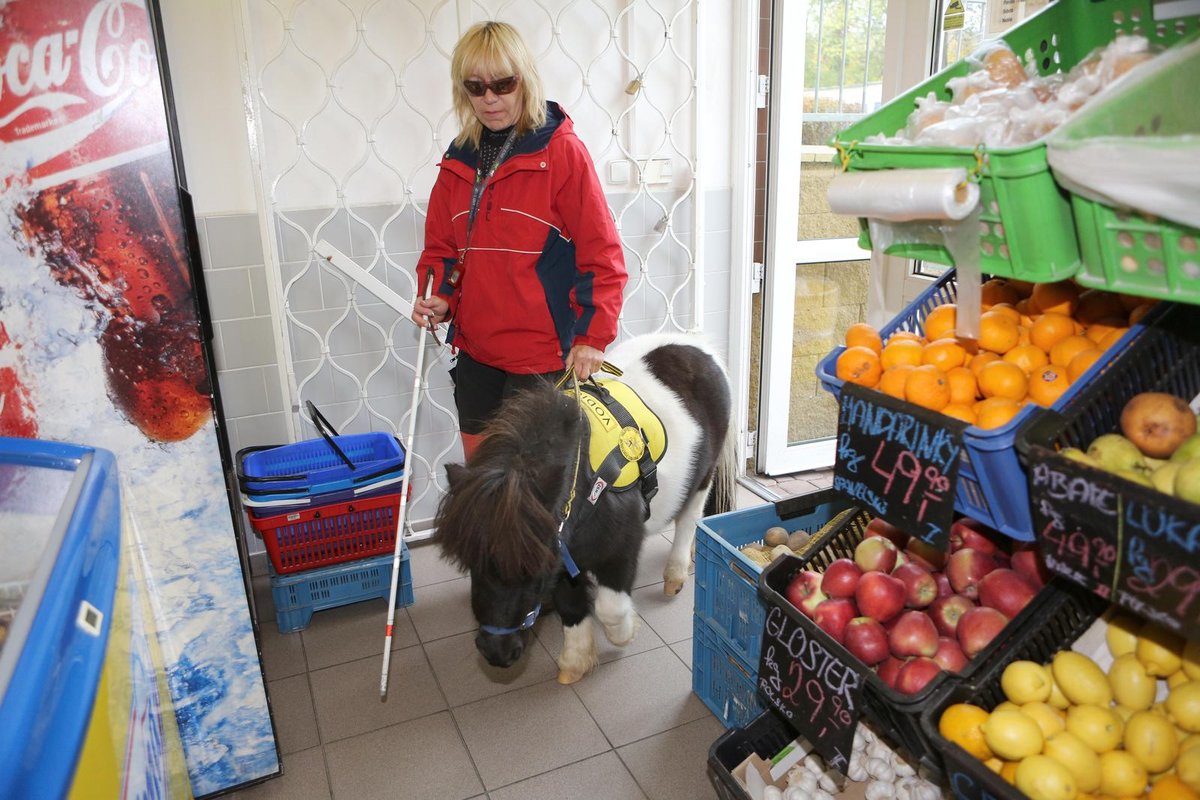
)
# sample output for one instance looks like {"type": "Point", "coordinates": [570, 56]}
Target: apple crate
{"type": "Point", "coordinates": [765, 736]}
{"type": "Point", "coordinates": [991, 485]}
{"type": "Point", "coordinates": [896, 715]}
{"type": "Point", "coordinates": [1065, 615]}
{"type": "Point", "coordinates": [723, 680]}
{"type": "Point", "coordinates": [726, 580]}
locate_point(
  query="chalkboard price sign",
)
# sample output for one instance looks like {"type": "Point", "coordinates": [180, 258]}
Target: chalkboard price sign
{"type": "Point", "coordinates": [898, 460]}
{"type": "Point", "coordinates": [1128, 544]}
{"type": "Point", "coordinates": [817, 689]}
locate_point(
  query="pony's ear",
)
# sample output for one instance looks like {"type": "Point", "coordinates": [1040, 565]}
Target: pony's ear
{"type": "Point", "coordinates": [455, 473]}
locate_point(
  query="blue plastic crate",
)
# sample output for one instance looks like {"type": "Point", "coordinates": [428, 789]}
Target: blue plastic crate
{"type": "Point", "coordinates": [725, 682]}
{"type": "Point", "coordinates": [727, 581]}
{"type": "Point", "coordinates": [313, 467]}
{"type": "Point", "coordinates": [298, 596]}
{"type": "Point", "coordinates": [991, 483]}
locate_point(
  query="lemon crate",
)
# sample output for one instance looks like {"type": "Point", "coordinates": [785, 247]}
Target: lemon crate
{"type": "Point", "coordinates": [1064, 617]}
{"type": "Point", "coordinates": [765, 736]}
{"type": "Point", "coordinates": [991, 484]}
{"type": "Point", "coordinates": [895, 715]}
{"type": "Point", "coordinates": [1027, 227]}
{"type": "Point", "coordinates": [297, 596]}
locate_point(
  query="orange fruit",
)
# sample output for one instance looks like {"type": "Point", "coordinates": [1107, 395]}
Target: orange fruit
{"type": "Point", "coordinates": [995, 412]}
{"type": "Point", "coordinates": [1081, 361]}
{"type": "Point", "coordinates": [1009, 771]}
{"type": "Point", "coordinates": [998, 332]}
{"type": "Point", "coordinates": [1096, 304]}
{"type": "Point", "coordinates": [941, 322]}
{"type": "Point", "coordinates": [1138, 312]}
{"type": "Point", "coordinates": [1065, 349]}
{"type": "Point", "coordinates": [897, 336]}
{"type": "Point", "coordinates": [960, 411]}
{"type": "Point", "coordinates": [1026, 309]}
{"type": "Point", "coordinates": [901, 351]}
{"type": "Point", "coordinates": [893, 380]}
{"type": "Point", "coordinates": [1024, 288]}
{"type": "Point", "coordinates": [1007, 309]}
{"type": "Point", "coordinates": [860, 334]}
{"type": "Point", "coordinates": [963, 386]}
{"type": "Point", "coordinates": [979, 360]}
{"type": "Point", "coordinates": [997, 290]}
{"type": "Point", "coordinates": [859, 365]}
{"type": "Point", "coordinates": [1028, 357]}
{"type": "Point", "coordinates": [962, 723]}
{"type": "Point", "coordinates": [1047, 384]}
{"type": "Point", "coordinates": [1023, 333]}
{"type": "Point", "coordinates": [1003, 379]}
{"type": "Point", "coordinates": [1098, 330]}
{"type": "Point", "coordinates": [1060, 297]}
{"type": "Point", "coordinates": [945, 354]}
{"type": "Point", "coordinates": [1170, 787]}
{"type": "Point", "coordinates": [927, 387]}
{"type": "Point", "coordinates": [1049, 329]}
{"type": "Point", "coordinates": [1111, 338]}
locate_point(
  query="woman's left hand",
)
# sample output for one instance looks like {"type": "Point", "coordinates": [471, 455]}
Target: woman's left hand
{"type": "Point", "coordinates": [584, 360]}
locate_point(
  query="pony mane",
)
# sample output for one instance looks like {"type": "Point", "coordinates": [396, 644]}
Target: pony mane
{"type": "Point", "coordinates": [503, 508]}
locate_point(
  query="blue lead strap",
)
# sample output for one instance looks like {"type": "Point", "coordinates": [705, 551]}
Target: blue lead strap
{"type": "Point", "coordinates": [568, 562]}
{"type": "Point", "coordinates": [525, 625]}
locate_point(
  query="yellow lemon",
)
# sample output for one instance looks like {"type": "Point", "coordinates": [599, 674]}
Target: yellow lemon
{"type": "Point", "coordinates": [1188, 741]}
{"type": "Point", "coordinates": [1151, 739]}
{"type": "Point", "coordinates": [1159, 649]}
{"type": "Point", "coordinates": [1057, 698]}
{"type": "Point", "coordinates": [1122, 775]}
{"type": "Point", "coordinates": [1121, 634]}
{"type": "Point", "coordinates": [1099, 727]}
{"type": "Point", "coordinates": [1183, 706]}
{"type": "Point", "coordinates": [1007, 705]}
{"type": "Point", "coordinates": [1042, 778]}
{"type": "Point", "coordinates": [1008, 771]}
{"type": "Point", "coordinates": [1012, 735]}
{"type": "Point", "coordinates": [961, 723]}
{"type": "Point", "coordinates": [1048, 718]}
{"type": "Point", "coordinates": [1131, 685]}
{"type": "Point", "coordinates": [1080, 679]}
{"type": "Point", "coordinates": [1191, 659]}
{"type": "Point", "coordinates": [1069, 750]}
{"type": "Point", "coordinates": [1176, 678]}
{"type": "Point", "coordinates": [1187, 767]}
{"type": "Point", "coordinates": [1026, 682]}
{"type": "Point", "coordinates": [994, 764]}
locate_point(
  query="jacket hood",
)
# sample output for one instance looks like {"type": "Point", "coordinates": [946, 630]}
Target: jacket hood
{"type": "Point", "coordinates": [532, 142]}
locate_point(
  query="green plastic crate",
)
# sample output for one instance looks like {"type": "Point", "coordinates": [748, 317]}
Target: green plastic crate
{"type": "Point", "coordinates": [1134, 252]}
{"type": "Point", "coordinates": [1027, 226]}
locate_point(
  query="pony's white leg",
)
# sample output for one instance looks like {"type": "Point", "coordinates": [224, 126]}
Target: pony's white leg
{"type": "Point", "coordinates": [578, 656]}
{"type": "Point", "coordinates": [682, 548]}
{"type": "Point", "coordinates": [615, 612]}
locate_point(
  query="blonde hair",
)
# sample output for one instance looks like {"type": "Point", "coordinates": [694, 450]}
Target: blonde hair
{"type": "Point", "coordinates": [495, 48]}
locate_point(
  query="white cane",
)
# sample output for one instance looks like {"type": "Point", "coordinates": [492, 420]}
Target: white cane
{"type": "Point", "coordinates": [408, 466]}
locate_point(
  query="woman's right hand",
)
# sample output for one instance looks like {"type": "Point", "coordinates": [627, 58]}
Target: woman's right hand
{"type": "Point", "coordinates": [428, 312]}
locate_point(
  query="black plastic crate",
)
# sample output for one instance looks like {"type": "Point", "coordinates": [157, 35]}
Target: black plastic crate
{"type": "Point", "coordinates": [897, 716]}
{"type": "Point", "coordinates": [1165, 358]}
{"type": "Point", "coordinates": [1062, 618]}
{"type": "Point", "coordinates": [765, 736]}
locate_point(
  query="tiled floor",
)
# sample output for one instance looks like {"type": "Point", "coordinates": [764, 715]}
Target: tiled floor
{"type": "Point", "coordinates": [453, 728]}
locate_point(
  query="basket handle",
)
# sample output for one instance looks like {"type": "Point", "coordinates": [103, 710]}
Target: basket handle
{"type": "Point", "coordinates": [327, 431]}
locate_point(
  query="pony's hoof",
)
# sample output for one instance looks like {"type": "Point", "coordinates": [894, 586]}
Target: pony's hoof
{"type": "Point", "coordinates": [567, 677]}
{"type": "Point", "coordinates": [672, 586]}
{"type": "Point", "coordinates": [624, 633]}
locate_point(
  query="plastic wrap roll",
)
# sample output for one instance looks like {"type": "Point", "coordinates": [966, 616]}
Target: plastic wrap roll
{"type": "Point", "coordinates": [903, 195]}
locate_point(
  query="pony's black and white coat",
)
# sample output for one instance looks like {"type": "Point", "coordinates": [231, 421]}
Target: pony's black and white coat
{"type": "Point", "coordinates": [500, 518]}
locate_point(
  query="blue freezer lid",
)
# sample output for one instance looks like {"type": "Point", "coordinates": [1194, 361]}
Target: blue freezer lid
{"type": "Point", "coordinates": [60, 528]}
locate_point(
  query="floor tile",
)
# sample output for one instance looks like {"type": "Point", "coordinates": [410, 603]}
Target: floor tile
{"type": "Point", "coordinates": [652, 559]}
{"type": "Point", "coordinates": [670, 617]}
{"type": "Point", "coordinates": [443, 609]}
{"type": "Point", "coordinates": [672, 765]}
{"type": "Point", "coordinates": [416, 760]}
{"type": "Point", "coordinates": [604, 776]}
{"type": "Point", "coordinates": [303, 778]}
{"type": "Point", "coordinates": [527, 732]}
{"type": "Point", "coordinates": [346, 696]}
{"type": "Point", "coordinates": [282, 653]}
{"type": "Point", "coordinates": [292, 710]}
{"type": "Point", "coordinates": [428, 566]}
{"type": "Point", "coordinates": [465, 676]}
{"type": "Point", "coordinates": [551, 634]}
{"type": "Point", "coordinates": [640, 696]}
{"type": "Point", "coordinates": [684, 651]}
{"type": "Point", "coordinates": [354, 631]}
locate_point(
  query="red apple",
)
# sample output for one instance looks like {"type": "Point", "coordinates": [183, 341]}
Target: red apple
{"type": "Point", "coordinates": [920, 589]}
{"type": "Point", "coordinates": [977, 628]}
{"type": "Point", "coordinates": [967, 532]}
{"type": "Point", "coordinates": [931, 555]}
{"type": "Point", "coordinates": [913, 635]}
{"type": "Point", "coordinates": [1027, 561]}
{"type": "Point", "coordinates": [949, 655]}
{"type": "Point", "coordinates": [889, 669]}
{"type": "Point", "coordinates": [875, 554]}
{"type": "Point", "coordinates": [943, 584]}
{"type": "Point", "coordinates": [879, 596]}
{"type": "Point", "coordinates": [833, 615]}
{"type": "Point", "coordinates": [840, 578]}
{"type": "Point", "coordinates": [866, 639]}
{"type": "Point", "coordinates": [1002, 559]}
{"type": "Point", "coordinates": [947, 611]}
{"type": "Point", "coordinates": [881, 527]}
{"type": "Point", "coordinates": [915, 674]}
{"type": "Point", "coordinates": [1006, 591]}
{"type": "Point", "coordinates": [906, 557]}
{"type": "Point", "coordinates": [902, 558]}
{"type": "Point", "coordinates": [966, 568]}
{"type": "Point", "coordinates": [804, 592]}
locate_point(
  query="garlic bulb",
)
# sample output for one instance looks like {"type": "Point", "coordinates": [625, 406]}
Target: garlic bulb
{"type": "Point", "coordinates": [795, 793]}
{"type": "Point", "coordinates": [903, 770]}
{"type": "Point", "coordinates": [856, 772]}
{"type": "Point", "coordinates": [879, 790]}
{"type": "Point", "coordinates": [827, 783]}
{"type": "Point", "coordinates": [880, 770]}
{"type": "Point", "coordinates": [772, 793]}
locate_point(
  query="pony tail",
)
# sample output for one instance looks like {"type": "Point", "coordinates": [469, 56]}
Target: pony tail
{"type": "Point", "coordinates": [722, 496]}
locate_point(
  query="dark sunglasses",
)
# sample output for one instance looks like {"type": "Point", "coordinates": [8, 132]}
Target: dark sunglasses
{"type": "Point", "coordinates": [498, 86]}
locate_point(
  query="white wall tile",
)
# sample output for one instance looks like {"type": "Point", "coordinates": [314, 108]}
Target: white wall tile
{"type": "Point", "coordinates": [233, 241]}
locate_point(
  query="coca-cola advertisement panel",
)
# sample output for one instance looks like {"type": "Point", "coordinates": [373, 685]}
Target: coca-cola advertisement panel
{"type": "Point", "coordinates": [101, 343]}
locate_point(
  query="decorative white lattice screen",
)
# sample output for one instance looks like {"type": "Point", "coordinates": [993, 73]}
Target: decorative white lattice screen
{"type": "Point", "coordinates": [349, 104]}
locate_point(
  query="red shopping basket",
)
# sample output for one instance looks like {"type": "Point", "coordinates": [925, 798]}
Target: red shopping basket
{"type": "Point", "coordinates": [330, 534]}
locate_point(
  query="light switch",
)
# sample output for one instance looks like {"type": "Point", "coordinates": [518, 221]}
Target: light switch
{"type": "Point", "coordinates": [618, 172]}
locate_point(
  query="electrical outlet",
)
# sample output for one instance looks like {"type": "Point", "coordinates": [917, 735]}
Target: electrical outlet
{"type": "Point", "coordinates": [655, 170]}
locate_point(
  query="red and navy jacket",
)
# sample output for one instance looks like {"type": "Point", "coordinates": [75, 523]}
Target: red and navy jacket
{"type": "Point", "coordinates": [545, 271]}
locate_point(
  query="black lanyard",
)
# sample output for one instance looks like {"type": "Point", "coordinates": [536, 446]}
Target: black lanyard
{"type": "Point", "coordinates": [481, 182]}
